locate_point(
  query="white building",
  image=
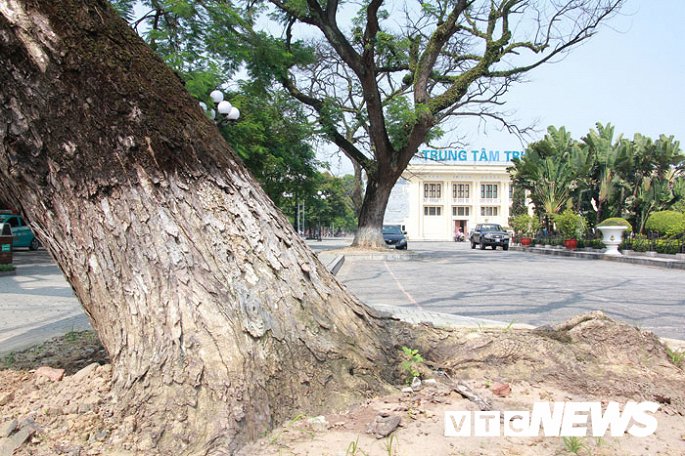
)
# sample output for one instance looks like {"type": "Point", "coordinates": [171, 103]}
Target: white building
{"type": "Point", "coordinates": [450, 189]}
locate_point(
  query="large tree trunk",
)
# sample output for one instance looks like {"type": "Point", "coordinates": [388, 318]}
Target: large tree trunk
{"type": "Point", "coordinates": [378, 189]}
{"type": "Point", "coordinates": [219, 322]}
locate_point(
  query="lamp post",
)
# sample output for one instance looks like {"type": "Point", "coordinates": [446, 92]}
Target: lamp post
{"type": "Point", "coordinates": [322, 198]}
{"type": "Point", "coordinates": [225, 112]}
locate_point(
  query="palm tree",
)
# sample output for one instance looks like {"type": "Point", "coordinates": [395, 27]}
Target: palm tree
{"type": "Point", "coordinates": [603, 153]}
{"type": "Point", "coordinates": [549, 171]}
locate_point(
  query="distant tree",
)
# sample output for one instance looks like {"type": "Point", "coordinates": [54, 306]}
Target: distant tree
{"type": "Point", "coordinates": [400, 71]}
{"type": "Point", "coordinates": [604, 177]}
{"type": "Point", "coordinates": [331, 205]}
{"type": "Point", "coordinates": [518, 201]}
{"type": "Point", "coordinates": [649, 176]}
{"type": "Point", "coordinates": [273, 138]}
{"type": "Point", "coordinates": [550, 172]}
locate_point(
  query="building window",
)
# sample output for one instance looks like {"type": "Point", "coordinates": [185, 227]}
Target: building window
{"type": "Point", "coordinates": [432, 210]}
{"type": "Point", "coordinates": [511, 192]}
{"type": "Point", "coordinates": [488, 191]}
{"type": "Point", "coordinates": [487, 211]}
{"type": "Point", "coordinates": [461, 211]}
{"type": "Point", "coordinates": [460, 191]}
{"type": "Point", "coordinates": [432, 190]}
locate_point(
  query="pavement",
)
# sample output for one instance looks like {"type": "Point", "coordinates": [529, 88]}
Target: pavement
{"type": "Point", "coordinates": [36, 303]}
{"type": "Point", "coordinates": [444, 283]}
{"type": "Point", "coordinates": [520, 287]}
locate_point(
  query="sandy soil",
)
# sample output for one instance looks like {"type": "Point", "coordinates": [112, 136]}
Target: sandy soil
{"type": "Point", "coordinates": [421, 430]}
{"type": "Point", "coordinates": [76, 414]}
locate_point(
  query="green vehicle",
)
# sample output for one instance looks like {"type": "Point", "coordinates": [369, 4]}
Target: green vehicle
{"type": "Point", "coordinates": [22, 234]}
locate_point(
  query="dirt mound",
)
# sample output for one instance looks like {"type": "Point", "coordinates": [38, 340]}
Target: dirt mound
{"type": "Point", "coordinates": [590, 358]}
{"type": "Point", "coordinates": [590, 355]}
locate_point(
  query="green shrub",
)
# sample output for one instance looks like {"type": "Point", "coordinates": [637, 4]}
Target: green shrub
{"type": "Point", "coordinates": [525, 225]}
{"type": "Point", "coordinates": [617, 221]}
{"type": "Point", "coordinates": [668, 246]}
{"type": "Point", "coordinates": [640, 244]}
{"type": "Point", "coordinates": [570, 224]}
{"type": "Point", "coordinates": [666, 223]}
{"type": "Point", "coordinates": [596, 244]}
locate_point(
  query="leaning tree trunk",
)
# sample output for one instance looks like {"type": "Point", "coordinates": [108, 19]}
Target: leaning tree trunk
{"type": "Point", "coordinates": [219, 322]}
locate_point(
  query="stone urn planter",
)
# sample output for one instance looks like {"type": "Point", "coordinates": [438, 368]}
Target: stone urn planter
{"type": "Point", "coordinates": [611, 237]}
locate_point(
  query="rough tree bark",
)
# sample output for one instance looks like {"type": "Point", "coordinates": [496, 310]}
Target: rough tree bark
{"type": "Point", "coordinates": [219, 322]}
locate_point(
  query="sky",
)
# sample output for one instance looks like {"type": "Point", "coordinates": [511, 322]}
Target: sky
{"type": "Point", "coordinates": [631, 74]}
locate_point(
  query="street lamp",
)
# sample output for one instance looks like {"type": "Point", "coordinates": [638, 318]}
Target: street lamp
{"type": "Point", "coordinates": [225, 111]}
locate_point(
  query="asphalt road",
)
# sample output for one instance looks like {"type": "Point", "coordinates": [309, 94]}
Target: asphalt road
{"type": "Point", "coordinates": [37, 303]}
{"type": "Point", "coordinates": [447, 277]}
{"type": "Point", "coordinates": [521, 287]}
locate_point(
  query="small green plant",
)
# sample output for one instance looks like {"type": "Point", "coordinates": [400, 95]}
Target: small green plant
{"type": "Point", "coordinates": [7, 267]}
{"type": "Point", "coordinates": [677, 357]}
{"type": "Point", "coordinates": [570, 224]}
{"type": "Point", "coordinates": [411, 360]}
{"type": "Point", "coordinates": [71, 336]}
{"type": "Point", "coordinates": [8, 360]}
{"type": "Point", "coordinates": [573, 445]}
{"type": "Point", "coordinates": [391, 445]}
{"type": "Point", "coordinates": [354, 450]}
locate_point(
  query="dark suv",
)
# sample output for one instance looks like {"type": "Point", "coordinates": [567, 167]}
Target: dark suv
{"type": "Point", "coordinates": [489, 234]}
{"type": "Point", "coordinates": [394, 237]}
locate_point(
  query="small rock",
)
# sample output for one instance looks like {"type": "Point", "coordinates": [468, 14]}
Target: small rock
{"type": "Point", "coordinates": [5, 398]}
{"type": "Point", "coordinates": [85, 372]}
{"type": "Point", "coordinates": [99, 436]}
{"type": "Point", "coordinates": [407, 390]}
{"type": "Point", "coordinates": [48, 372]}
{"type": "Point", "coordinates": [430, 383]}
{"type": "Point", "coordinates": [67, 448]}
{"type": "Point", "coordinates": [7, 428]}
{"type": "Point", "coordinates": [416, 384]}
{"type": "Point", "coordinates": [501, 389]}
{"type": "Point", "coordinates": [16, 440]}
{"type": "Point", "coordinates": [383, 426]}
{"type": "Point", "coordinates": [29, 423]}
{"type": "Point", "coordinates": [88, 405]}
{"type": "Point", "coordinates": [318, 423]}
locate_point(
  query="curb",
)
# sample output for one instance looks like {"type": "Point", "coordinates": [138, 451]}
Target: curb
{"type": "Point", "coordinates": [405, 256]}
{"type": "Point", "coordinates": [8, 273]}
{"type": "Point", "coordinates": [645, 261]}
{"type": "Point", "coordinates": [335, 265]}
